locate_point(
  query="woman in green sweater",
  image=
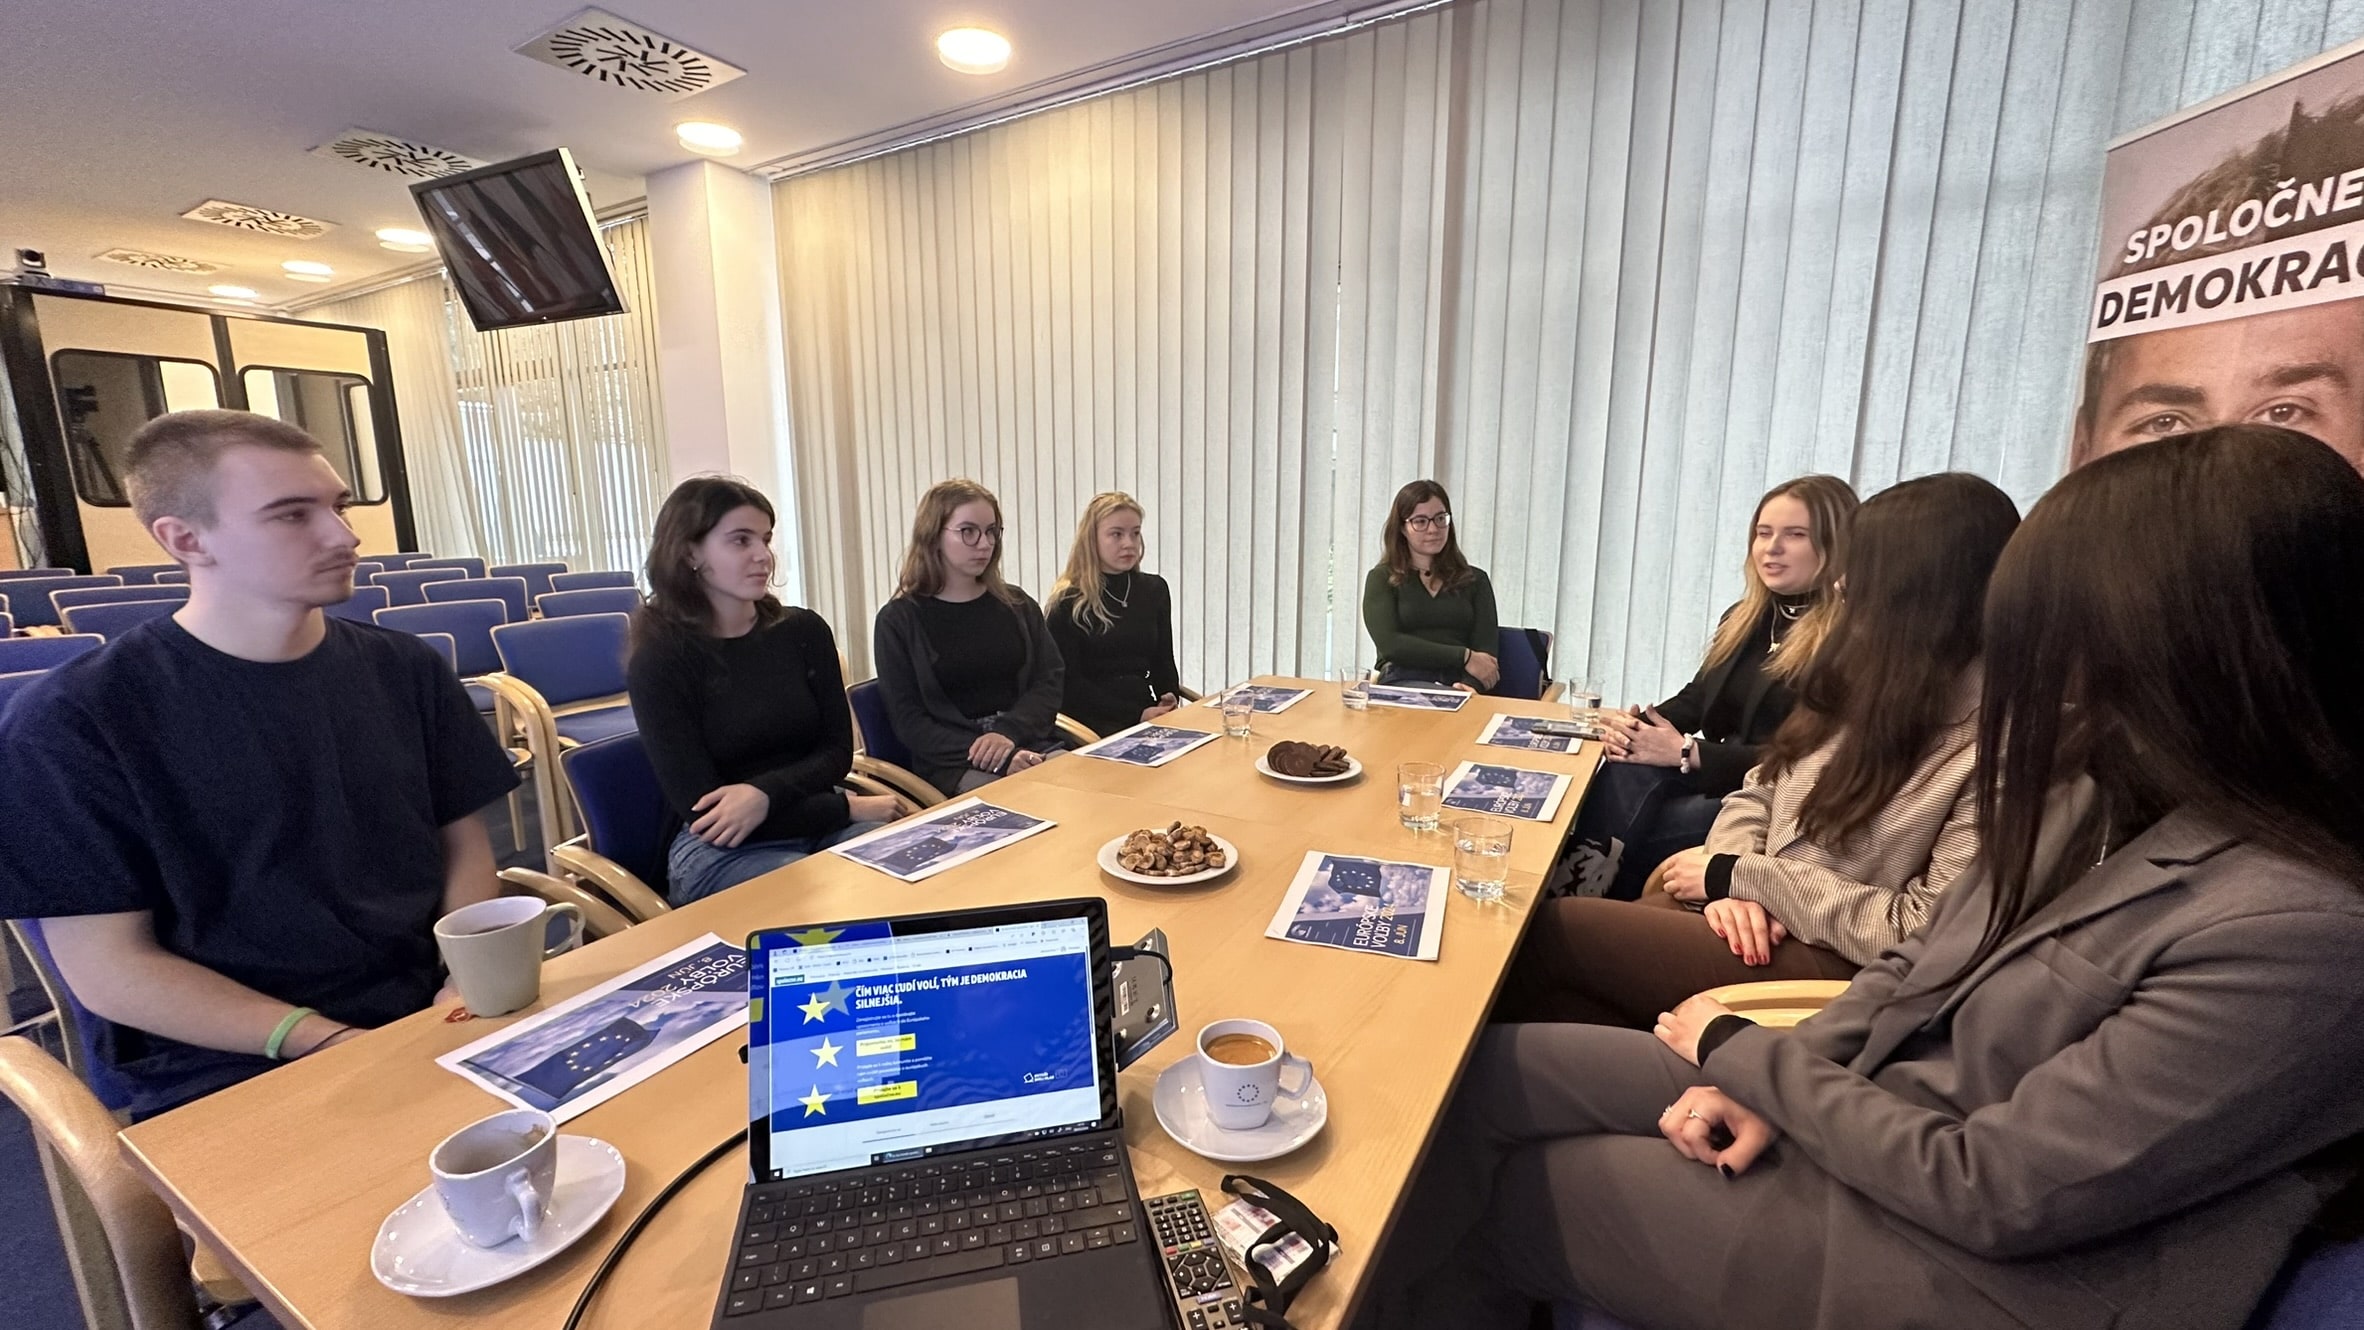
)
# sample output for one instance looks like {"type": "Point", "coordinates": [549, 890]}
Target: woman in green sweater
{"type": "Point", "coordinates": [1430, 614]}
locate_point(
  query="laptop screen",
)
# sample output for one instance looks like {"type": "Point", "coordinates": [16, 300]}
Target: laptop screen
{"type": "Point", "coordinates": [889, 1040]}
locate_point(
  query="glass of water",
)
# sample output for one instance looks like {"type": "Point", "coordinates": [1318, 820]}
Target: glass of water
{"type": "Point", "coordinates": [1481, 857]}
{"type": "Point", "coordinates": [1419, 794]}
{"type": "Point", "coordinates": [1354, 688]}
{"type": "Point", "coordinates": [1583, 696]}
{"type": "Point", "coordinates": [1239, 712]}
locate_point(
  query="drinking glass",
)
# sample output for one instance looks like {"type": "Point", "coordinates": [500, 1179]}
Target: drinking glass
{"type": "Point", "coordinates": [1354, 688]}
{"type": "Point", "coordinates": [1420, 794]}
{"type": "Point", "coordinates": [1239, 712]}
{"type": "Point", "coordinates": [1481, 857]}
{"type": "Point", "coordinates": [1583, 696]}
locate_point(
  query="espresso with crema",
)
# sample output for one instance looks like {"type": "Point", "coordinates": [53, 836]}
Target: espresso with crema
{"type": "Point", "coordinates": [1239, 1050]}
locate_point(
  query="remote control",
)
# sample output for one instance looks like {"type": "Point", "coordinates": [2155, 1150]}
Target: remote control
{"type": "Point", "coordinates": [1566, 729]}
{"type": "Point", "coordinates": [1205, 1291]}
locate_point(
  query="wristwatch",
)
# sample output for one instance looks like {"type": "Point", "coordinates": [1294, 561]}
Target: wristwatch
{"type": "Point", "coordinates": [1690, 754]}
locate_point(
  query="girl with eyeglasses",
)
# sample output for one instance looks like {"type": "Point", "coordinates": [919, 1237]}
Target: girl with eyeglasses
{"type": "Point", "coordinates": [1114, 623]}
{"type": "Point", "coordinates": [971, 675]}
{"type": "Point", "coordinates": [1430, 614]}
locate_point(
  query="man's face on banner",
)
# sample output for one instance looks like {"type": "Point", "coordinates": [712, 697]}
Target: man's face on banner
{"type": "Point", "coordinates": [2301, 369]}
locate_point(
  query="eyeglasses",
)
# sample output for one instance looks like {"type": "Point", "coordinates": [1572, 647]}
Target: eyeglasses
{"type": "Point", "coordinates": [1427, 523]}
{"type": "Point", "coordinates": [973, 535]}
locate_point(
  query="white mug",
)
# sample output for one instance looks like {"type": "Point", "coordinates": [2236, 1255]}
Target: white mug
{"type": "Point", "coordinates": [494, 1176]}
{"type": "Point", "coordinates": [1242, 1096]}
{"type": "Point", "coordinates": [495, 949]}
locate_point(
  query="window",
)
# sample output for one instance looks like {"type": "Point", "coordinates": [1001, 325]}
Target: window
{"type": "Point", "coordinates": [333, 408]}
{"type": "Point", "coordinates": [105, 396]}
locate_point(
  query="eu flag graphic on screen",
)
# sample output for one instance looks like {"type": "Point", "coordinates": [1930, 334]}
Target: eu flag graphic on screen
{"type": "Point", "coordinates": [564, 1071]}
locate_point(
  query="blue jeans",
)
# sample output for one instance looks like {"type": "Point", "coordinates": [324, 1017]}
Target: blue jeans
{"type": "Point", "coordinates": [1634, 818]}
{"type": "Point", "coordinates": [695, 870]}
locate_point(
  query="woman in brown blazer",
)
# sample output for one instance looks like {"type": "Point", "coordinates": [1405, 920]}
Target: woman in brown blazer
{"type": "Point", "coordinates": [1860, 815]}
{"type": "Point", "coordinates": [2118, 1074]}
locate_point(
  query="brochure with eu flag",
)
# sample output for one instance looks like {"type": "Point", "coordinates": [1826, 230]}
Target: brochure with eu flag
{"type": "Point", "coordinates": [917, 848]}
{"type": "Point", "coordinates": [1482, 787]}
{"type": "Point", "coordinates": [597, 1044]}
{"type": "Point", "coordinates": [1506, 731]}
{"type": "Point", "coordinates": [1357, 904]}
{"type": "Point", "coordinates": [1148, 744]}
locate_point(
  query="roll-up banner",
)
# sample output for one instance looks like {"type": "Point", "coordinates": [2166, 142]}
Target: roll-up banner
{"type": "Point", "coordinates": [2231, 282]}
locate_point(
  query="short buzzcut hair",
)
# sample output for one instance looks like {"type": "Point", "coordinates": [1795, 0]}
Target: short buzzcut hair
{"type": "Point", "coordinates": [169, 463]}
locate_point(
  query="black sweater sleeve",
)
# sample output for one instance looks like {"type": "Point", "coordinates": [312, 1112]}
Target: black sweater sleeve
{"type": "Point", "coordinates": [662, 682]}
{"type": "Point", "coordinates": [901, 657]}
{"type": "Point", "coordinates": [669, 684]}
{"type": "Point", "coordinates": [1092, 698]}
{"type": "Point", "coordinates": [1165, 675]}
{"type": "Point", "coordinates": [803, 788]}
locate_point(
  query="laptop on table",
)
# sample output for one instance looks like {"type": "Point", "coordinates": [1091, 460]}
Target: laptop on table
{"type": "Point", "coordinates": [935, 1139]}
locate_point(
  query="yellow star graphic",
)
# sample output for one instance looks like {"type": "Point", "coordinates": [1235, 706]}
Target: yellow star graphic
{"type": "Point", "coordinates": [826, 1054]}
{"type": "Point", "coordinates": [816, 937]}
{"type": "Point", "coordinates": [812, 1102]}
{"type": "Point", "coordinates": [815, 1009]}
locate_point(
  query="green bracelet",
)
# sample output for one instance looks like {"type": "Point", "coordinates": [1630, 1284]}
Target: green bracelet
{"type": "Point", "coordinates": [287, 1025]}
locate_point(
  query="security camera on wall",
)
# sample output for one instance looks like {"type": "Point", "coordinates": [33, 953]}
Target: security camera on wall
{"type": "Point", "coordinates": [32, 269]}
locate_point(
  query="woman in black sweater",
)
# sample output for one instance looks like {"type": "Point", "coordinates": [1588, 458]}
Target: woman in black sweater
{"type": "Point", "coordinates": [1670, 766]}
{"type": "Point", "coordinates": [1114, 623]}
{"type": "Point", "coordinates": [971, 676]}
{"type": "Point", "coordinates": [739, 699]}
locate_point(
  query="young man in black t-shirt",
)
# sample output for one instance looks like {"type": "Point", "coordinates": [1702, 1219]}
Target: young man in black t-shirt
{"type": "Point", "coordinates": [238, 824]}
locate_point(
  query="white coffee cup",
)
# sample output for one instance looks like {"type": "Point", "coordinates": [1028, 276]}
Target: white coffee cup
{"type": "Point", "coordinates": [495, 949]}
{"type": "Point", "coordinates": [1242, 1096]}
{"type": "Point", "coordinates": [494, 1176]}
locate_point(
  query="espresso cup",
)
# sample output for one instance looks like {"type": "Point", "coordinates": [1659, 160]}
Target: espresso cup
{"type": "Point", "coordinates": [495, 949]}
{"type": "Point", "coordinates": [1240, 1066]}
{"type": "Point", "coordinates": [494, 1176]}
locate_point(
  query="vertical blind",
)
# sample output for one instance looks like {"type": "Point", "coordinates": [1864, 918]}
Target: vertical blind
{"type": "Point", "coordinates": [1607, 268]}
{"type": "Point", "coordinates": [528, 443]}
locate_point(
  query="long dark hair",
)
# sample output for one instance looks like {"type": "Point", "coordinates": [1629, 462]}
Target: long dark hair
{"type": "Point", "coordinates": [1887, 674]}
{"type": "Point", "coordinates": [2179, 621]}
{"type": "Point", "coordinates": [677, 601]}
{"type": "Point", "coordinates": [1450, 568]}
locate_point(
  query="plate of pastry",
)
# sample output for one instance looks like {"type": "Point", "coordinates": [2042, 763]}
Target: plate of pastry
{"type": "Point", "coordinates": [1173, 856]}
{"type": "Point", "coordinates": [1308, 764]}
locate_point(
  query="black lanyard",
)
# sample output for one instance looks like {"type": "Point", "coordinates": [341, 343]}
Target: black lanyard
{"type": "Point", "coordinates": [1267, 1304]}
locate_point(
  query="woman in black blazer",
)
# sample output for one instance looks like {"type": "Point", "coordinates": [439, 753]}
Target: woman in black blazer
{"type": "Point", "coordinates": [1114, 623]}
{"type": "Point", "coordinates": [1670, 766]}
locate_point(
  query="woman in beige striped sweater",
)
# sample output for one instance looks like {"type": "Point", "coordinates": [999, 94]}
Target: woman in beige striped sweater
{"type": "Point", "coordinates": [1859, 816]}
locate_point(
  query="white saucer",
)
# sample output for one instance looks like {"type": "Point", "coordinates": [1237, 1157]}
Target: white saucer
{"type": "Point", "coordinates": [419, 1252]}
{"type": "Point", "coordinates": [1181, 1104]}
{"type": "Point", "coordinates": [1354, 768]}
{"type": "Point", "coordinates": [1110, 866]}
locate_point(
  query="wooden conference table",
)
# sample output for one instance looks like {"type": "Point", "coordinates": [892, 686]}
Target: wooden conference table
{"type": "Point", "coordinates": [288, 1176]}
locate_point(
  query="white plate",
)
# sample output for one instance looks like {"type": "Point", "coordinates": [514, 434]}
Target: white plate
{"type": "Point", "coordinates": [1354, 768]}
{"type": "Point", "coordinates": [1181, 1103]}
{"type": "Point", "coordinates": [419, 1252]}
{"type": "Point", "coordinates": [1109, 866]}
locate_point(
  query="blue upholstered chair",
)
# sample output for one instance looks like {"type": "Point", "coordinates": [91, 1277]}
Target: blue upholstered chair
{"type": "Point", "coordinates": [537, 575]}
{"type": "Point", "coordinates": [402, 585]}
{"type": "Point", "coordinates": [43, 653]}
{"type": "Point", "coordinates": [28, 598]}
{"type": "Point", "coordinates": [363, 607]}
{"type": "Point", "coordinates": [77, 1023]}
{"type": "Point", "coordinates": [7, 620]}
{"type": "Point", "coordinates": [142, 574]}
{"type": "Point", "coordinates": [115, 595]}
{"type": "Point", "coordinates": [32, 574]}
{"type": "Point", "coordinates": [510, 591]}
{"type": "Point", "coordinates": [365, 570]}
{"type": "Point", "coordinates": [444, 647]}
{"type": "Point", "coordinates": [588, 581]}
{"type": "Point", "coordinates": [878, 753]}
{"type": "Point", "coordinates": [1525, 654]}
{"type": "Point", "coordinates": [565, 678]}
{"type": "Point", "coordinates": [3, 602]}
{"type": "Point", "coordinates": [621, 850]}
{"type": "Point", "coordinates": [396, 562]}
{"type": "Point", "coordinates": [468, 567]}
{"type": "Point", "coordinates": [469, 623]}
{"type": "Point", "coordinates": [12, 684]}
{"type": "Point", "coordinates": [592, 600]}
{"type": "Point", "coordinates": [115, 618]}
{"type": "Point", "coordinates": [177, 577]}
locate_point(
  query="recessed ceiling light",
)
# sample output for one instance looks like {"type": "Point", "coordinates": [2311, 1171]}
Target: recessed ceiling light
{"type": "Point", "coordinates": [708, 137]}
{"type": "Point", "coordinates": [974, 50]}
{"type": "Point", "coordinates": [307, 268]}
{"type": "Point", "coordinates": [403, 240]}
{"type": "Point", "coordinates": [228, 292]}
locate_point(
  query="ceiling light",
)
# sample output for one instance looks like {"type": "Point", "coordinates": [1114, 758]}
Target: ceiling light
{"type": "Point", "coordinates": [228, 292]}
{"type": "Point", "coordinates": [974, 50]}
{"type": "Point", "coordinates": [403, 240]}
{"type": "Point", "coordinates": [311, 277]}
{"type": "Point", "coordinates": [307, 268]}
{"type": "Point", "coordinates": [707, 137]}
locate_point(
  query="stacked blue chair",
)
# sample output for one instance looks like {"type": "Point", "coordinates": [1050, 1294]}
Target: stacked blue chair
{"type": "Point", "coordinates": [29, 597]}
{"type": "Point", "coordinates": [7, 620]}
{"type": "Point", "coordinates": [878, 753]}
{"type": "Point", "coordinates": [510, 591]}
{"type": "Point", "coordinates": [24, 574]}
{"type": "Point", "coordinates": [566, 679]}
{"type": "Point", "coordinates": [402, 585]}
{"type": "Point", "coordinates": [142, 574]}
{"type": "Point", "coordinates": [621, 851]}
{"type": "Point", "coordinates": [590, 581]}
{"type": "Point", "coordinates": [1525, 654]}
{"type": "Point", "coordinates": [115, 595]}
{"type": "Point", "coordinates": [467, 567]}
{"type": "Point", "coordinates": [468, 625]}
{"type": "Point", "coordinates": [43, 653]}
{"type": "Point", "coordinates": [115, 618]}
{"type": "Point", "coordinates": [444, 647]}
{"type": "Point", "coordinates": [177, 577]}
{"type": "Point", "coordinates": [365, 570]}
{"type": "Point", "coordinates": [537, 575]}
{"type": "Point", "coordinates": [363, 607]}
{"type": "Point", "coordinates": [396, 562]}
{"type": "Point", "coordinates": [79, 1024]}
{"type": "Point", "coordinates": [594, 600]}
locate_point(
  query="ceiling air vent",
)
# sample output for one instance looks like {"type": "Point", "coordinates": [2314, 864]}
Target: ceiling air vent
{"type": "Point", "coordinates": [623, 54]}
{"type": "Point", "coordinates": [247, 217]}
{"type": "Point", "coordinates": [141, 258]}
{"type": "Point", "coordinates": [395, 156]}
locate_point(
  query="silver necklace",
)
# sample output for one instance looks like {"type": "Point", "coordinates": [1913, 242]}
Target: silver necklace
{"type": "Point", "coordinates": [1125, 601]}
{"type": "Point", "coordinates": [1789, 612]}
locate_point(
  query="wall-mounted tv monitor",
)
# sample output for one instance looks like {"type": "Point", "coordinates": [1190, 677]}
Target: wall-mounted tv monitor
{"type": "Point", "coordinates": [520, 242]}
